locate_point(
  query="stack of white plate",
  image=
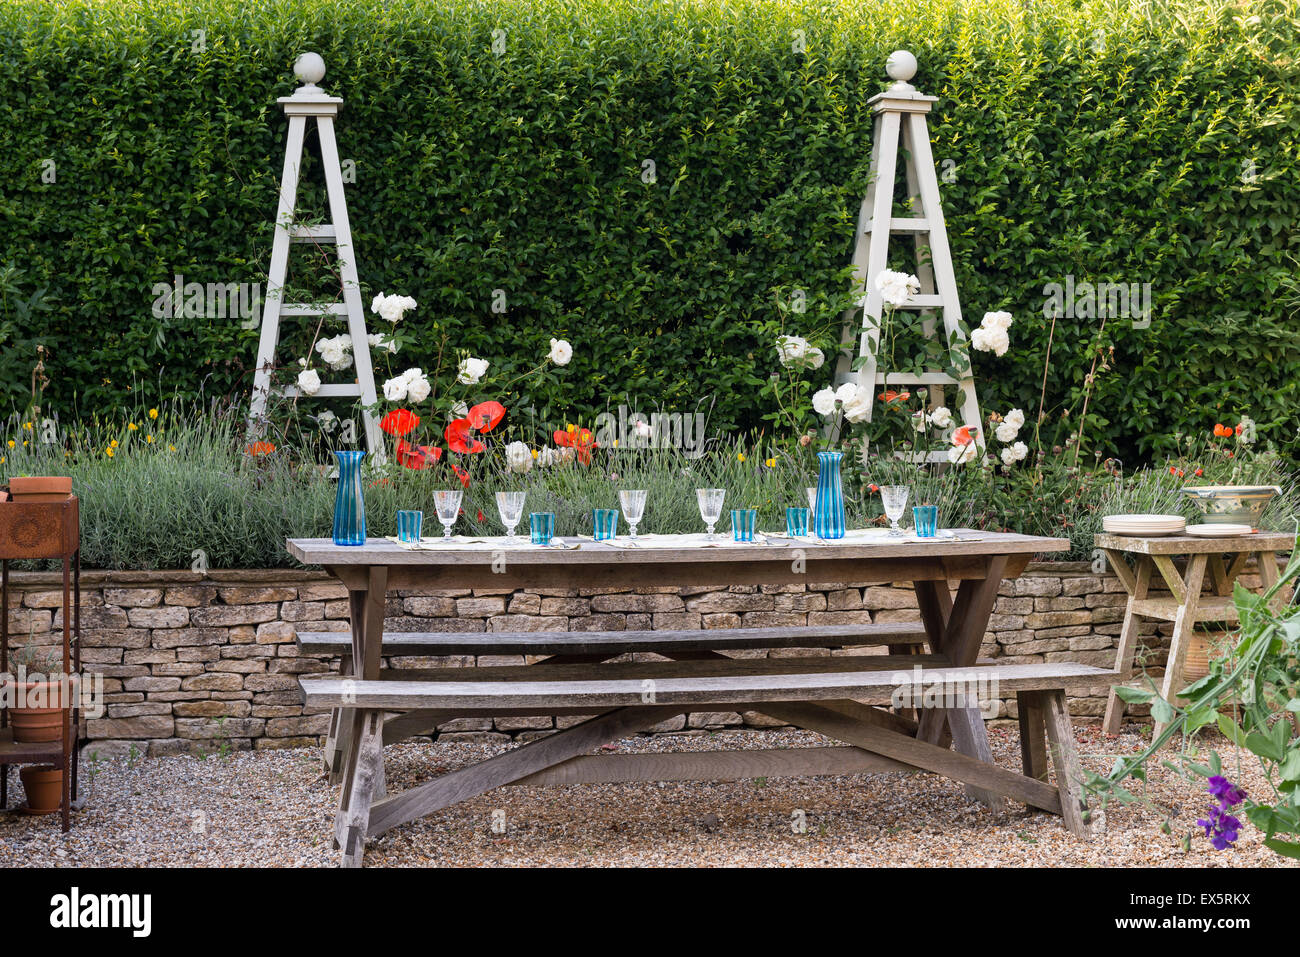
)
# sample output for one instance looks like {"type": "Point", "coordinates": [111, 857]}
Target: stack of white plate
{"type": "Point", "coordinates": [1146, 526]}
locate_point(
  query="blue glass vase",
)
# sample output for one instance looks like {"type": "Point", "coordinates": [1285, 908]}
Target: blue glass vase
{"type": "Point", "coordinates": [349, 505]}
{"type": "Point", "coordinates": [828, 516]}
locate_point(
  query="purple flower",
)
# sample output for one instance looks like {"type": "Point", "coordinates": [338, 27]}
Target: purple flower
{"type": "Point", "coordinates": [1225, 792]}
{"type": "Point", "coordinates": [1220, 826]}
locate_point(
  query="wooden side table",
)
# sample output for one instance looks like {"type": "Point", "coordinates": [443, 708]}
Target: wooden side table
{"type": "Point", "coordinates": [1221, 560]}
{"type": "Point", "coordinates": [44, 531]}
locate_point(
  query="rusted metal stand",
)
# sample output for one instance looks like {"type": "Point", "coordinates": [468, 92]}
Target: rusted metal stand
{"type": "Point", "coordinates": [44, 531]}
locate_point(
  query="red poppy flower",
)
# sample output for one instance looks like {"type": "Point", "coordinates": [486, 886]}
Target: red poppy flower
{"type": "Point", "coordinates": [460, 439]}
{"type": "Point", "coordinates": [1175, 471]}
{"type": "Point", "coordinates": [1221, 431]}
{"type": "Point", "coordinates": [399, 422]}
{"type": "Point", "coordinates": [965, 435]}
{"type": "Point", "coordinates": [580, 439]}
{"type": "Point", "coordinates": [1238, 429]}
{"type": "Point", "coordinates": [461, 474]}
{"type": "Point", "coordinates": [259, 448]}
{"type": "Point", "coordinates": [479, 517]}
{"type": "Point", "coordinates": [485, 416]}
{"type": "Point", "coordinates": [417, 456]}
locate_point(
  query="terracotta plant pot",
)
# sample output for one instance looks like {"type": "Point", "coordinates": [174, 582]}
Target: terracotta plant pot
{"type": "Point", "coordinates": [40, 488]}
{"type": "Point", "coordinates": [37, 725]}
{"type": "Point", "coordinates": [44, 786]}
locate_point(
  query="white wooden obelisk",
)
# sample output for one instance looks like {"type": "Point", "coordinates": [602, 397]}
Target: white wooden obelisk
{"type": "Point", "coordinates": [309, 101]}
{"type": "Point", "coordinates": [900, 115]}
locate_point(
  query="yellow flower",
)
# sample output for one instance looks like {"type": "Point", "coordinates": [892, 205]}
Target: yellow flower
{"type": "Point", "coordinates": [171, 448]}
{"type": "Point", "coordinates": [148, 438]}
{"type": "Point", "coordinates": [131, 426]}
{"type": "Point", "coordinates": [12, 443]}
{"type": "Point", "coordinates": [27, 426]}
{"type": "Point", "coordinates": [24, 441]}
{"type": "Point", "coordinates": [770, 463]}
{"type": "Point", "coordinates": [109, 451]}
{"type": "Point", "coordinates": [616, 443]}
{"type": "Point", "coordinates": [113, 443]}
{"type": "Point", "coordinates": [572, 428]}
{"type": "Point", "coordinates": [153, 413]}
{"type": "Point", "coordinates": [2, 460]}
{"type": "Point", "coordinates": [740, 456]}
{"type": "Point", "coordinates": [534, 453]}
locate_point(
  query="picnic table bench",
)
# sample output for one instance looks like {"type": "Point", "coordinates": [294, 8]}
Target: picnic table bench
{"type": "Point", "coordinates": [866, 701]}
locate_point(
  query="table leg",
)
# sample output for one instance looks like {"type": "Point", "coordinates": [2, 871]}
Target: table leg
{"type": "Point", "coordinates": [1033, 746]}
{"type": "Point", "coordinates": [365, 774]}
{"type": "Point", "coordinates": [1184, 622]}
{"type": "Point", "coordinates": [962, 635]}
{"type": "Point", "coordinates": [1138, 584]}
{"type": "Point", "coordinates": [360, 742]}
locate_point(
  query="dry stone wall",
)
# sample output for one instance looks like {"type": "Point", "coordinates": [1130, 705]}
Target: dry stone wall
{"type": "Point", "coordinates": [201, 662]}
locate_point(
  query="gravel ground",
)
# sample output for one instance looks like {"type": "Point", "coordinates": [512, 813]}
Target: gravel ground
{"type": "Point", "coordinates": [272, 808]}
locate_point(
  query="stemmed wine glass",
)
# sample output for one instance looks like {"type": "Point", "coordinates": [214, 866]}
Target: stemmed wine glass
{"type": "Point", "coordinates": [894, 497]}
{"type": "Point", "coordinates": [710, 501]}
{"type": "Point", "coordinates": [633, 502]}
{"type": "Point", "coordinates": [447, 504]}
{"type": "Point", "coordinates": [510, 506]}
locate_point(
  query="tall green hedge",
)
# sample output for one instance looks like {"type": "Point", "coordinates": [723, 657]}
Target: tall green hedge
{"type": "Point", "coordinates": [1108, 141]}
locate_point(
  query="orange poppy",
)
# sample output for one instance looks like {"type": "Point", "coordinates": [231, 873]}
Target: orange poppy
{"type": "Point", "coordinates": [965, 435]}
{"type": "Point", "coordinates": [580, 439]}
{"type": "Point", "coordinates": [259, 448]}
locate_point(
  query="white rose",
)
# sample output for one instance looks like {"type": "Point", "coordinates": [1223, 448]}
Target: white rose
{"type": "Point", "coordinates": [896, 288]}
{"type": "Point", "coordinates": [471, 370]}
{"type": "Point", "coordinates": [642, 428]}
{"type": "Point", "coordinates": [518, 457]}
{"type": "Point", "coordinates": [941, 417]}
{"type": "Point", "coordinates": [395, 389]}
{"type": "Point", "coordinates": [815, 357]}
{"type": "Point", "coordinates": [1016, 417]}
{"type": "Point", "coordinates": [858, 406]}
{"type": "Point", "coordinates": [418, 388]}
{"type": "Point", "coordinates": [846, 392]}
{"type": "Point", "coordinates": [561, 352]}
{"type": "Point", "coordinates": [992, 339]}
{"type": "Point", "coordinates": [1020, 450]}
{"type": "Point", "coordinates": [379, 341]}
{"type": "Point", "coordinates": [327, 421]}
{"type": "Point", "coordinates": [309, 381]}
{"type": "Point", "coordinates": [392, 307]}
{"type": "Point", "coordinates": [1006, 432]}
{"type": "Point", "coordinates": [459, 411]}
{"type": "Point", "coordinates": [791, 350]}
{"type": "Point", "coordinates": [546, 457]}
{"type": "Point", "coordinates": [961, 454]}
{"type": "Point", "coordinates": [997, 320]}
{"type": "Point", "coordinates": [823, 402]}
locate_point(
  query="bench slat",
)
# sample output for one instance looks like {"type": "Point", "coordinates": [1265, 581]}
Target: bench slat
{"type": "Point", "coordinates": [866, 686]}
{"type": "Point", "coordinates": [689, 668]}
{"type": "Point", "coordinates": [618, 642]}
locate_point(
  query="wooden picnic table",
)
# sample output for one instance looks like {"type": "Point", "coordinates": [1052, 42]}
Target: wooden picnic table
{"type": "Point", "coordinates": [847, 698]}
{"type": "Point", "coordinates": [1213, 563]}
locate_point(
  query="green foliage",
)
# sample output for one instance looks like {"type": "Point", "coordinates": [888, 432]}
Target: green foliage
{"type": "Point", "coordinates": [1111, 141]}
{"type": "Point", "coordinates": [1250, 696]}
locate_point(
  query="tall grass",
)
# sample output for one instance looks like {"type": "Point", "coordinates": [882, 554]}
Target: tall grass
{"type": "Point", "coordinates": [183, 487]}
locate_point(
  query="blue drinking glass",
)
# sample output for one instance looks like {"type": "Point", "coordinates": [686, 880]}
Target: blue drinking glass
{"type": "Point", "coordinates": [796, 521]}
{"type": "Point", "coordinates": [743, 521]}
{"type": "Point", "coordinates": [605, 523]}
{"type": "Point", "coordinates": [541, 526]}
{"type": "Point", "coordinates": [926, 519]}
{"type": "Point", "coordinates": [409, 524]}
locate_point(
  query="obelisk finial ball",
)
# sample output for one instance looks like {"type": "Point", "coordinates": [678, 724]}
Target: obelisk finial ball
{"type": "Point", "coordinates": [901, 66]}
{"type": "Point", "coordinates": [309, 68]}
